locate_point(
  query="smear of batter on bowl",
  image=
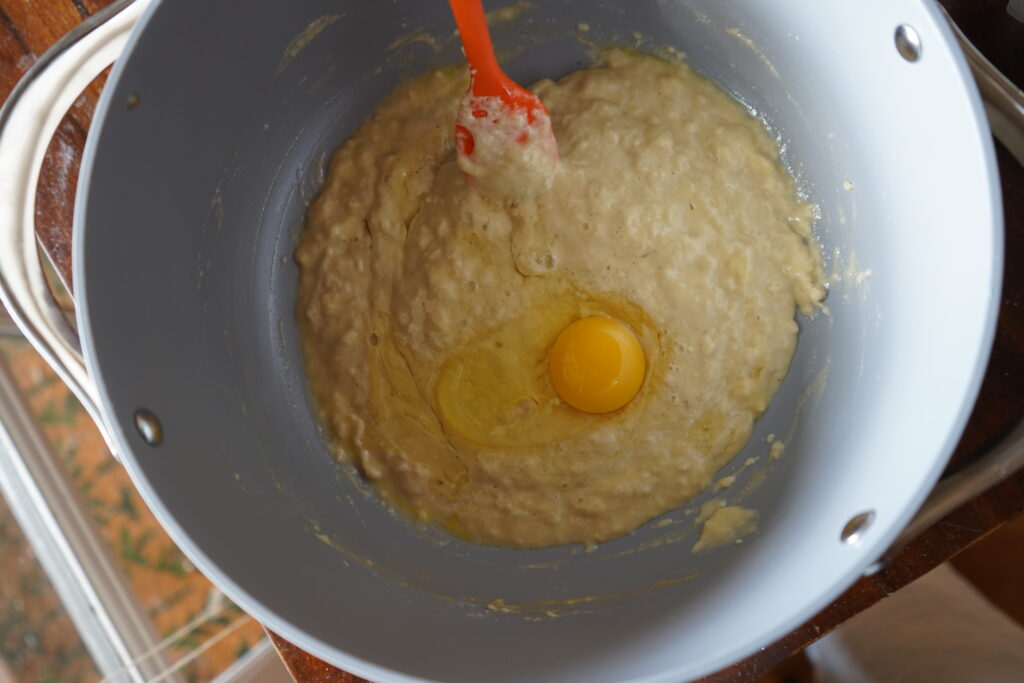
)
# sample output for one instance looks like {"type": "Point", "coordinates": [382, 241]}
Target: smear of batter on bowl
{"type": "Point", "coordinates": [726, 524]}
{"type": "Point", "coordinates": [427, 309]}
{"type": "Point", "coordinates": [307, 36]}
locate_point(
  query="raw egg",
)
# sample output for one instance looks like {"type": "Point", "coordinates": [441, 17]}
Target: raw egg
{"type": "Point", "coordinates": [496, 392]}
{"type": "Point", "coordinates": [597, 364]}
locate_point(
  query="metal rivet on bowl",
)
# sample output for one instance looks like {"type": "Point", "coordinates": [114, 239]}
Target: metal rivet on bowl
{"type": "Point", "coordinates": [856, 527]}
{"type": "Point", "coordinates": [149, 427]}
{"type": "Point", "coordinates": [908, 43]}
{"type": "Point", "coordinates": [873, 568]}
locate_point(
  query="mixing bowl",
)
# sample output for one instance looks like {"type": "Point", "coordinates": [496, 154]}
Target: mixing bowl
{"type": "Point", "coordinates": [209, 143]}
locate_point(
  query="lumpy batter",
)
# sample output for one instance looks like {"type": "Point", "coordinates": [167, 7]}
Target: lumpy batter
{"type": "Point", "coordinates": [427, 309]}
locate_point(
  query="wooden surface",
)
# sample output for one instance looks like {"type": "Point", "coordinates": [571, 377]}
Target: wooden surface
{"type": "Point", "coordinates": [29, 27]}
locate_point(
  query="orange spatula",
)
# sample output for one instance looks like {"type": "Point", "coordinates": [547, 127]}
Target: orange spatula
{"type": "Point", "coordinates": [502, 129]}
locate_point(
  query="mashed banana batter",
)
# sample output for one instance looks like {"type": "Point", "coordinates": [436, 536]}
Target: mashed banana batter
{"type": "Point", "coordinates": [427, 309]}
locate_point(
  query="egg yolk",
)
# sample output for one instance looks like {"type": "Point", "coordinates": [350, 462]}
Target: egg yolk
{"type": "Point", "coordinates": [597, 364]}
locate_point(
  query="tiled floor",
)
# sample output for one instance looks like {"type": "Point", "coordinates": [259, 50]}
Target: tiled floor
{"type": "Point", "coordinates": [37, 642]}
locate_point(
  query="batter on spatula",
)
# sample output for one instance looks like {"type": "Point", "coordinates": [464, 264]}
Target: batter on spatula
{"type": "Point", "coordinates": [429, 310]}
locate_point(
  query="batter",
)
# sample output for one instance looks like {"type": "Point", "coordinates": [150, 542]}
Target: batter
{"type": "Point", "coordinates": [428, 308]}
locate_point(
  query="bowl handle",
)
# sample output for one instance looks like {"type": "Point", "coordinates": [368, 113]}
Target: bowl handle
{"type": "Point", "coordinates": [1004, 101]}
{"type": "Point", "coordinates": [959, 488]}
{"type": "Point", "coordinates": [28, 121]}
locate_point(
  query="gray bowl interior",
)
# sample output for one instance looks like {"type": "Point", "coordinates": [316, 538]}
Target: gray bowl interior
{"type": "Point", "coordinates": [194, 201]}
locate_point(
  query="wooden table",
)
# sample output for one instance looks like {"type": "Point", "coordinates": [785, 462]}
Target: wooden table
{"type": "Point", "coordinates": [29, 27]}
